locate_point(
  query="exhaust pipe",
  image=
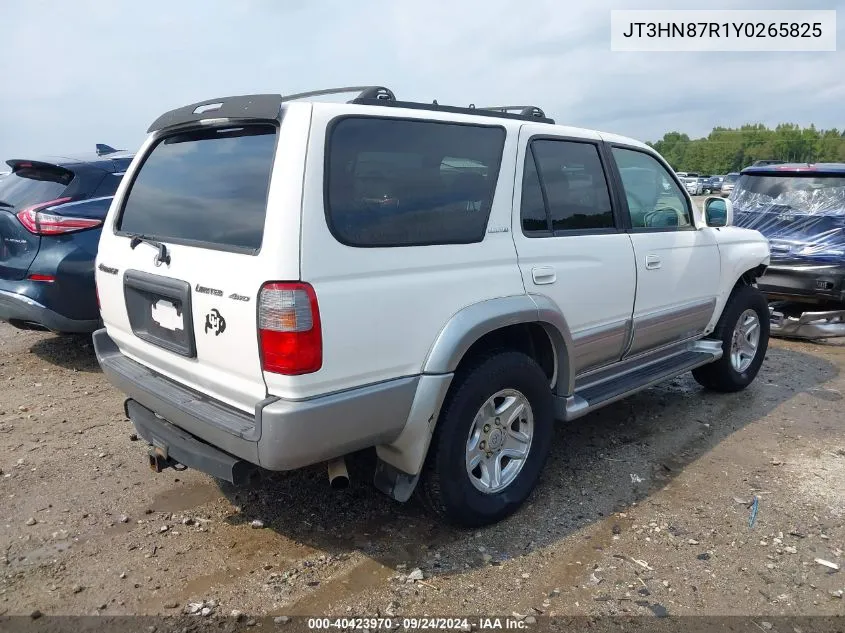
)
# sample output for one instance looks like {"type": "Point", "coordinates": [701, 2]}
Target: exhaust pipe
{"type": "Point", "coordinates": [338, 475]}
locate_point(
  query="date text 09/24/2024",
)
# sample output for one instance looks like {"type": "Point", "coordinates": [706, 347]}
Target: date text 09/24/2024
{"type": "Point", "coordinates": [424, 623]}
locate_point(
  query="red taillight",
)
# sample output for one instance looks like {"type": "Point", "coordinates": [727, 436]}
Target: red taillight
{"type": "Point", "coordinates": [289, 329]}
{"type": "Point", "coordinates": [38, 277]}
{"type": "Point", "coordinates": [40, 223]}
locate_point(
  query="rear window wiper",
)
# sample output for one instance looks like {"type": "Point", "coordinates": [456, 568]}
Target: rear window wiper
{"type": "Point", "coordinates": [3, 203]}
{"type": "Point", "coordinates": [162, 257]}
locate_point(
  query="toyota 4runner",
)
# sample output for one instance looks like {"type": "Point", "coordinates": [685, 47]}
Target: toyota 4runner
{"type": "Point", "coordinates": [285, 281]}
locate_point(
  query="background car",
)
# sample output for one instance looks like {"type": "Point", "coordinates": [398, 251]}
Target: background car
{"type": "Point", "coordinates": [692, 184]}
{"type": "Point", "coordinates": [713, 184]}
{"type": "Point", "coordinates": [51, 211]}
{"type": "Point", "coordinates": [728, 184]}
{"type": "Point", "coordinates": [800, 209]}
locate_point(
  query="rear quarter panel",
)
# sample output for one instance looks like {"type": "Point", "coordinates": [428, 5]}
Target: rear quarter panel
{"type": "Point", "coordinates": [382, 308]}
{"type": "Point", "coordinates": [71, 259]}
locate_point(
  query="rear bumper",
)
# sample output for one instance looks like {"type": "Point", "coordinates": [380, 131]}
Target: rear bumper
{"type": "Point", "coordinates": [23, 311]}
{"type": "Point", "coordinates": [804, 282]}
{"type": "Point", "coordinates": [282, 434]}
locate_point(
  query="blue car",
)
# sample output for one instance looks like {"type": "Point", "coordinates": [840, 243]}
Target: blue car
{"type": "Point", "coordinates": [713, 184]}
{"type": "Point", "coordinates": [800, 208]}
{"type": "Point", "coordinates": [51, 215]}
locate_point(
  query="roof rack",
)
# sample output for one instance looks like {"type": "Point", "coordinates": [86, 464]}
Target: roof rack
{"type": "Point", "coordinates": [523, 110]}
{"type": "Point", "coordinates": [267, 107]}
{"type": "Point", "coordinates": [382, 96]}
{"type": "Point", "coordinates": [379, 93]}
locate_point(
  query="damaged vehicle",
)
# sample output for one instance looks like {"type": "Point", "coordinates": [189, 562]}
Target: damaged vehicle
{"type": "Point", "coordinates": [285, 281]}
{"type": "Point", "coordinates": [800, 209]}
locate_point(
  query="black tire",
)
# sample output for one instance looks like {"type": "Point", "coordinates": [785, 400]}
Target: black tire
{"type": "Point", "coordinates": [445, 486]}
{"type": "Point", "coordinates": [721, 375]}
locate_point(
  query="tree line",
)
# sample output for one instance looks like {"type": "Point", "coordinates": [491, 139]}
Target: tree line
{"type": "Point", "coordinates": [730, 149]}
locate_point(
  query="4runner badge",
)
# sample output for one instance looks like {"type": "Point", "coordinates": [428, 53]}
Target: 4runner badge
{"type": "Point", "coordinates": [215, 322]}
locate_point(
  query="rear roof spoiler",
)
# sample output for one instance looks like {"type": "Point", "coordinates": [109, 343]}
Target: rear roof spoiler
{"type": "Point", "coordinates": [20, 163]}
{"type": "Point", "coordinates": [243, 107]}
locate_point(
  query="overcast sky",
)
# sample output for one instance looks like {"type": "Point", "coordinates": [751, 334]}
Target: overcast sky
{"type": "Point", "coordinates": [76, 73]}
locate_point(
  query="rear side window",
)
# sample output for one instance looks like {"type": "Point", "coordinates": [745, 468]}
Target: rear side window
{"type": "Point", "coordinates": [393, 182]}
{"type": "Point", "coordinates": [564, 189]}
{"type": "Point", "coordinates": [26, 186]}
{"type": "Point", "coordinates": [205, 188]}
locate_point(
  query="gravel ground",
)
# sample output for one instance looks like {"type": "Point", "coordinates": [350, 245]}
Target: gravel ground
{"type": "Point", "coordinates": [643, 508]}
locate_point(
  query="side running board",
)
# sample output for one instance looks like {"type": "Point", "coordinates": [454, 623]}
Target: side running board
{"type": "Point", "coordinates": [625, 383]}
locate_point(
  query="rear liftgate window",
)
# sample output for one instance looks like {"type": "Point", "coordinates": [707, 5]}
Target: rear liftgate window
{"type": "Point", "coordinates": [393, 182]}
{"type": "Point", "coordinates": [29, 185]}
{"type": "Point", "coordinates": [204, 188]}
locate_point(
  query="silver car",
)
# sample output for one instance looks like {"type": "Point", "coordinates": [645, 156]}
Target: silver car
{"type": "Point", "coordinates": [692, 184]}
{"type": "Point", "coordinates": [728, 184]}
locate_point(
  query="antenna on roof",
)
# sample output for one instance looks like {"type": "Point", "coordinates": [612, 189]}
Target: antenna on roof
{"type": "Point", "coordinates": [103, 149]}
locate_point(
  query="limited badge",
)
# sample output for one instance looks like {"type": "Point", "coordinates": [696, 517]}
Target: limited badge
{"type": "Point", "coordinates": [215, 322]}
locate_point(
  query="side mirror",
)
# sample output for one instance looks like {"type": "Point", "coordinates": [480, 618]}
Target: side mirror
{"type": "Point", "coordinates": [718, 211]}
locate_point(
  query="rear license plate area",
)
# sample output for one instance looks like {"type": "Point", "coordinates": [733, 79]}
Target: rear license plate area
{"type": "Point", "coordinates": [159, 311]}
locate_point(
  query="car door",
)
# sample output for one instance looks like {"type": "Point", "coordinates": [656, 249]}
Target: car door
{"type": "Point", "coordinates": [570, 242]}
{"type": "Point", "coordinates": [678, 265]}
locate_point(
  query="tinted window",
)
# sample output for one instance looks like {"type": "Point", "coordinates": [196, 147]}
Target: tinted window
{"type": "Point", "coordinates": [27, 186]}
{"type": "Point", "coordinates": [574, 184]}
{"type": "Point", "coordinates": [533, 211]}
{"type": "Point", "coordinates": [207, 187]}
{"type": "Point", "coordinates": [402, 183]}
{"type": "Point", "coordinates": [654, 199]}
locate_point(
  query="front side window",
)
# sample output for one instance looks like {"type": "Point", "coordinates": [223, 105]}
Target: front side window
{"type": "Point", "coordinates": [394, 182]}
{"type": "Point", "coordinates": [655, 201]}
{"type": "Point", "coordinates": [564, 188]}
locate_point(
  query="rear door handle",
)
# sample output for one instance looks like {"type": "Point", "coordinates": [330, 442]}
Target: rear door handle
{"type": "Point", "coordinates": [652, 262]}
{"type": "Point", "coordinates": [543, 275]}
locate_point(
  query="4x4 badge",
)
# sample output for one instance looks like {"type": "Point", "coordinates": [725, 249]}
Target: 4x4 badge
{"type": "Point", "coordinates": [215, 322]}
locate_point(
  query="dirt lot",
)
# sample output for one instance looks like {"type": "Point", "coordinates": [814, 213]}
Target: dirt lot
{"type": "Point", "coordinates": [642, 509]}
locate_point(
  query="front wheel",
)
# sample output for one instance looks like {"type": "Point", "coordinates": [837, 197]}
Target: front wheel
{"type": "Point", "coordinates": [491, 440]}
{"type": "Point", "coordinates": [744, 332]}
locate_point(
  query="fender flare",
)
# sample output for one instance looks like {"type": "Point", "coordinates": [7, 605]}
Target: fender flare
{"type": "Point", "coordinates": [469, 324]}
{"type": "Point", "coordinates": [401, 461]}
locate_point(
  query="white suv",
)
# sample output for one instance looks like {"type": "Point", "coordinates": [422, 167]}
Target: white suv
{"type": "Point", "coordinates": [284, 282]}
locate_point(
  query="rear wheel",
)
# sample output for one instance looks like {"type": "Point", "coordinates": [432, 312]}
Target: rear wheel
{"type": "Point", "coordinates": [491, 440]}
{"type": "Point", "coordinates": [744, 332]}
